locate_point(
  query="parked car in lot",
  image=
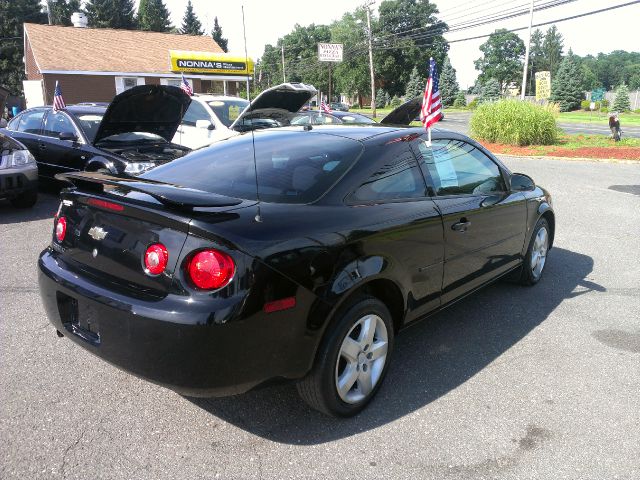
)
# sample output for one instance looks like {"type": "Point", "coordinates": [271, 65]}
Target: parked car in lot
{"type": "Point", "coordinates": [293, 253]}
{"type": "Point", "coordinates": [339, 106]}
{"type": "Point", "coordinates": [18, 173]}
{"type": "Point", "coordinates": [212, 118]}
{"type": "Point", "coordinates": [316, 117]}
{"type": "Point", "coordinates": [131, 135]}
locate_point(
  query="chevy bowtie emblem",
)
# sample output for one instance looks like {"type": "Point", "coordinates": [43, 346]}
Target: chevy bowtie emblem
{"type": "Point", "coordinates": [97, 233]}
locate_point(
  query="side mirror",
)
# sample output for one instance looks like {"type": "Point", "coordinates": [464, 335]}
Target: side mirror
{"type": "Point", "coordinates": [522, 183]}
{"type": "Point", "coordinates": [69, 136]}
{"type": "Point", "coordinates": [205, 124]}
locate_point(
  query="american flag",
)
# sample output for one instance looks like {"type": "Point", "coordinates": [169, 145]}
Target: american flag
{"type": "Point", "coordinates": [431, 111]}
{"type": "Point", "coordinates": [186, 88]}
{"type": "Point", "coordinates": [58, 101]}
{"type": "Point", "coordinates": [324, 107]}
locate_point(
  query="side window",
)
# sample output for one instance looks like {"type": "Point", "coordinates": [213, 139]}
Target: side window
{"type": "Point", "coordinates": [195, 112]}
{"type": "Point", "coordinates": [57, 123]}
{"type": "Point", "coordinates": [399, 178]}
{"type": "Point", "coordinates": [31, 122]}
{"type": "Point", "coordinates": [459, 168]}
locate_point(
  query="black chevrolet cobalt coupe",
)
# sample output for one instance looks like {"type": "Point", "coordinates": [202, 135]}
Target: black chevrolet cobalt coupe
{"type": "Point", "coordinates": [218, 272]}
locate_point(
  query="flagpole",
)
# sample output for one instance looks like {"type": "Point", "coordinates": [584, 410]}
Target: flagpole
{"type": "Point", "coordinates": [428, 136]}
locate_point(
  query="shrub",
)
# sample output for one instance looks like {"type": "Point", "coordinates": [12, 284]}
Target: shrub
{"type": "Point", "coordinates": [515, 123]}
{"type": "Point", "coordinates": [621, 103]}
{"type": "Point", "coordinates": [585, 105]}
{"type": "Point", "coordinates": [460, 101]}
{"type": "Point", "coordinates": [473, 104]}
{"type": "Point", "coordinates": [395, 102]}
{"type": "Point", "coordinates": [637, 110]}
{"type": "Point", "coordinates": [605, 103]}
{"type": "Point", "coordinates": [604, 110]}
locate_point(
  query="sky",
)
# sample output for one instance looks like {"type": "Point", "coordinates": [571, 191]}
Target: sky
{"type": "Point", "coordinates": [267, 20]}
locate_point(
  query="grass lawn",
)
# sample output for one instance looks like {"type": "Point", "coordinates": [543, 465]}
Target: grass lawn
{"type": "Point", "coordinates": [584, 146]}
{"type": "Point", "coordinates": [596, 117]}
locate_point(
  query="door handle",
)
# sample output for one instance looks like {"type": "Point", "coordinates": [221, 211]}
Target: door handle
{"type": "Point", "coordinates": [43, 146]}
{"type": "Point", "coordinates": [461, 226]}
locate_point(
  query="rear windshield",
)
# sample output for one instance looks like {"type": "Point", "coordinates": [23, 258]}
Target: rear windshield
{"type": "Point", "coordinates": [293, 167]}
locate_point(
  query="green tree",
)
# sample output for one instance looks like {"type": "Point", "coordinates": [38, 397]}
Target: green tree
{"type": "Point", "coordinates": [60, 11]}
{"type": "Point", "coordinates": [552, 48]}
{"type": "Point", "coordinates": [460, 101]}
{"type": "Point", "coordinates": [536, 60]}
{"type": "Point", "coordinates": [154, 16]}
{"type": "Point", "coordinates": [111, 14]}
{"type": "Point", "coordinates": [416, 84]}
{"type": "Point", "coordinates": [13, 14]}
{"type": "Point", "coordinates": [216, 33]}
{"type": "Point", "coordinates": [502, 58]}
{"type": "Point", "coordinates": [566, 86]}
{"type": "Point", "coordinates": [381, 98]}
{"type": "Point", "coordinates": [407, 34]}
{"type": "Point", "coordinates": [491, 91]}
{"type": "Point", "coordinates": [190, 23]}
{"type": "Point", "coordinates": [621, 103]}
{"type": "Point", "coordinates": [448, 84]}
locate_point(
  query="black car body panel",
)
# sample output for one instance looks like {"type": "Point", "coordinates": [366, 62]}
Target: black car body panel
{"type": "Point", "coordinates": [410, 252]}
{"type": "Point", "coordinates": [147, 108]}
{"type": "Point", "coordinates": [15, 180]}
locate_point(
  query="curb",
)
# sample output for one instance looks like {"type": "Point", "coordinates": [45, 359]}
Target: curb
{"type": "Point", "coordinates": [576, 159]}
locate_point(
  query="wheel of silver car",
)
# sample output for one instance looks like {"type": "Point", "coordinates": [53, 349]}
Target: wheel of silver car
{"type": "Point", "coordinates": [352, 359]}
{"type": "Point", "coordinates": [361, 359]}
{"type": "Point", "coordinates": [539, 251]}
{"type": "Point", "coordinates": [536, 257]}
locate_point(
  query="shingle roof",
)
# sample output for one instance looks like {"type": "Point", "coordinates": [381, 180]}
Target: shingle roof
{"type": "Point", "coordinates": [106, 50]}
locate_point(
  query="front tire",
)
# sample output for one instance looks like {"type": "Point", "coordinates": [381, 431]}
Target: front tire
{"type": "Point", "coordinates": [25, 200]}
{"type": "Point", "coordinates": [352, 360]}
{"type": "Point", "coordinates": [536, 257]}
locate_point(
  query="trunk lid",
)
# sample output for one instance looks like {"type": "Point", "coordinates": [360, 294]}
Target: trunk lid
{"type": "Point", "coordinates": [111, 222]}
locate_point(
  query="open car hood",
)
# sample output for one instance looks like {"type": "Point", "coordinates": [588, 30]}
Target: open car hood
{"type": "Point", "coordinates": [274, 104]}
{"type": "Point", "coordinates": [404, 114]}
{"type": "Point", "coordinates": [156, 109]}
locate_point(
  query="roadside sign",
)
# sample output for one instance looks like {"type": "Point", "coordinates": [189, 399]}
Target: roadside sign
{"type": "Point", "coordinates": [330, 52]}
{"type": "Point", "coordinates": [543, 85]}
{"type": "Point", "coordinates": [592, 105]}
{"type": "Point", "coordinates": [597, 94]}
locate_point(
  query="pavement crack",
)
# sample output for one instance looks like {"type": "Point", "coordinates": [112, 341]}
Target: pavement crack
{"type": "Point", "coordinates": [71, 446]}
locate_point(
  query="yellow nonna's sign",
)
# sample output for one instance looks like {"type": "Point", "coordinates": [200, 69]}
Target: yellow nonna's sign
{"type": "Point", "coordinates": [212, 63]}
{"type": "Point", "coordinates": [543, 85]}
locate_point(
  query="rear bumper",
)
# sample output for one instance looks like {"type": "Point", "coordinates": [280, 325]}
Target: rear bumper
{"type": "Point", "coordinates": [183, 345]}
{"type": "Point", "coordinates": [16, 181]}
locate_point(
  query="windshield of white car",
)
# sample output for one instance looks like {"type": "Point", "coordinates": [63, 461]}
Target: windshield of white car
{"type": "Point", "coordinates": [228, 110]}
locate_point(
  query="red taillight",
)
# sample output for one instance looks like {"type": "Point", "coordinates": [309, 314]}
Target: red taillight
{"type": "Point", "coordinates": [106, 205]}
{"type": "Point", "coordinates": [155, 259]}
{"type": "Point", "coordinates": [61, 228]}
{"type": "Point", "coordinates": [211, 269]}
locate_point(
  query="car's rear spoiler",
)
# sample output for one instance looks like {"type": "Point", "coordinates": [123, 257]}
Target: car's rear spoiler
{"type": "Point", "coordinates": [404, 114]}
{"type": "Point", "coordinates": [170, 195]}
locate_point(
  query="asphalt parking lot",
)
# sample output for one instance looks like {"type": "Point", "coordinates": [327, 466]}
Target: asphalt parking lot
{"type": "Point", "coordinates": [510, 383]}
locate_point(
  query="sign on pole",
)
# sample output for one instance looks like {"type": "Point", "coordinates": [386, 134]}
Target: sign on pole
{"type": "Point", "coordinates": [543, 85]}
{"type": "Point", "coordinates": [597, 94]}
{"type": "Point", "coordinates": [330, 52]}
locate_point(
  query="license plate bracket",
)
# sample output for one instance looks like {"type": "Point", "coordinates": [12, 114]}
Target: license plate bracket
{"type": "Point", "coordinates": [74, 322]}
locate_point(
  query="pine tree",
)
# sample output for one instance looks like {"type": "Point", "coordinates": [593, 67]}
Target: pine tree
{"type": "Point", "coordinates": [190, 23]}
{"type": "Point", "coordinates": [415, 85]}
{"type": "Point", "coordinates": [60, 11]}
{"type": "Point", "coordinates": [552, 48]}
{"type": "Point", "coordinates": [448, 84]}
{"type": "Point", "coordinates": [13, 14]}
{"type": "Point", "coordinates": [111, 14]}
{"type": "Point", "coordinates": [621, 103]}
{"type": "Point", "coordinates": [216, 33]}
{"type": "Point", "coordinates": [153, 16]}
{"type": "Point", "coordinates": [460, 101]}
{"type": "Point", "coordinates": [381, 101]}
{"type": "Point", "coordinates": [536, 60]}
{"type": "Point", "coordinates": [565, 87]}
{"type": "Point", "coordinates": [490, 91]}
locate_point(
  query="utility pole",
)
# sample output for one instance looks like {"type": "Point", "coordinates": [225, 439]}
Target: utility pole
{"type": "Point", "coordinates": [526, 55]}
{"type": "Point", "coordinates": [373, 84]}
{"type": "Point", "coordinates": [284, 78]}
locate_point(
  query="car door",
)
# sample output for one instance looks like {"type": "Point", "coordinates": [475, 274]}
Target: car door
{"type": "Point", "coordinates": [407, 225]}
{"type": "Point", "coordinates": [484, 224]}
{"type": "Point", "coordinates": [27, 128]}
{"type": "Point", "coordinates": [197, 128]}
{"type": "Point", "coordinates": [56, 155]}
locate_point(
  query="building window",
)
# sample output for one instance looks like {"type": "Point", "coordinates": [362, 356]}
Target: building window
{"type": "Point", "coordinates": [125, 83]}
{"type": "Point", "coordinates": [175, 82]}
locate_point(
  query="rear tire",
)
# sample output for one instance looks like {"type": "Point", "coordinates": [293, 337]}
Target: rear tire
{"type": "Point", "coordinates": [25, 200]}
{"type": "Point", "coordinates": [352, 360]}
{"type": "Point", "coordinates": [536, 257]}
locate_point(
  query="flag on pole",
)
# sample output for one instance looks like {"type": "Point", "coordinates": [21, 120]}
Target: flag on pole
{"type": "Point", "coordinates": [324, 107]}
{"type": "Point", "coordinates": [431, 111]}
{"type": "Point", "coordinates": [186, 87]}
{"type": "Point", "coordinates": [58, 101]}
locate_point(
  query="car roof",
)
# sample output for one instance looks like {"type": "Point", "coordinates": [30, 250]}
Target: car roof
{"type": "Point", "coordinates": [75, 109]}
{"type": "Point", "coordinates": [208, 98]}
